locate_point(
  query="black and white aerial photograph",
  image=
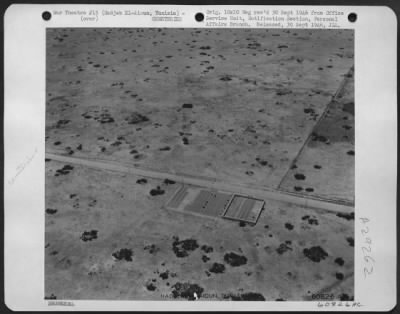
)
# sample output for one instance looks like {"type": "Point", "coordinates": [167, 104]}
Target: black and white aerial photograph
{"type": "Point", "coordinates": [201, 164]}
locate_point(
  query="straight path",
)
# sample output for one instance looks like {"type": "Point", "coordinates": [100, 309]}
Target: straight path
{"type": "Point", "coordinates": [260, 193]}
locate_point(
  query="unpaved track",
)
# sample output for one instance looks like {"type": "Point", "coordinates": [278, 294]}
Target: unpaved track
{"type": "Point", "coordinates": [257, 193]}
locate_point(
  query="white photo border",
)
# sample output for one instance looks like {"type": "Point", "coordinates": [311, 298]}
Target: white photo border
{"type": "Point", "coordinates": [24, 145]}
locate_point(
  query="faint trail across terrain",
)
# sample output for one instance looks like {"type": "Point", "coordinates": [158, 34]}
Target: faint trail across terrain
{"type": "Point", "coordinates": [257, 193]}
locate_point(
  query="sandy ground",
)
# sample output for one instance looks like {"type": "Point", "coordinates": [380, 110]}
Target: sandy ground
{"type": "Point", "coordinates": [315, 171]}
{"type": "Point", "coordinates": [120, 95]}
{"type": "Point", "coordinates": [91, 215]}
{"type": "Point", "coordinates": [237, 106]}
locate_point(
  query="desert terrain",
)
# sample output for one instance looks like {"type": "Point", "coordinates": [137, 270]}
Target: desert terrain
{"type": "Point", "coordinates": [262, 109]}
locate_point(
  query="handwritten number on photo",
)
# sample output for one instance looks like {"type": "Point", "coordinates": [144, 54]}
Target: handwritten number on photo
{"type": "Point", "coordinates": [366, 248]}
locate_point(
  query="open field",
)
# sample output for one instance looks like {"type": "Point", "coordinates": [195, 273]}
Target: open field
{"type": "Point", "coordinates": [143, 126]}
{"type": "Point", "coordinates": [327, 160]}
{"type": "Point", "coordinates": [233, 105]}
{"type": "Point", "coordinates": [108, 238]}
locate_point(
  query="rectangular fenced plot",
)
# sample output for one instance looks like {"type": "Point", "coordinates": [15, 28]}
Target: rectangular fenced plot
{"type": "Point", "coordinates": [209, 203]}
{"type": "Point", "coordinates": [244, 208]}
